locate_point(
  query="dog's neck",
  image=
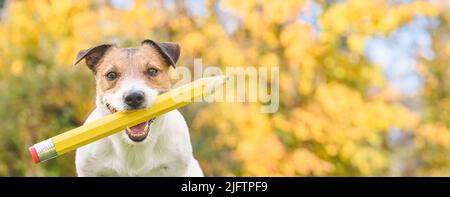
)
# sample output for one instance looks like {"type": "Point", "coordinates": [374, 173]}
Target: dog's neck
{"type": "Point", "coordinates": [136, 154]}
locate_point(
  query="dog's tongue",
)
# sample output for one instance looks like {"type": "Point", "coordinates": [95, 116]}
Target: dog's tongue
{"type": "Point", "coordinates": [138, 129]}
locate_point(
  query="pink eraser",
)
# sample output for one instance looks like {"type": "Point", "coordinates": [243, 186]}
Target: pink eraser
{"type": "Point", "coordinates": [34, 154]}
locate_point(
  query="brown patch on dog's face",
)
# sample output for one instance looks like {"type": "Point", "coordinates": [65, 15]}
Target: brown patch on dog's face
{"type": "Point", "coordinates": [136, 63]}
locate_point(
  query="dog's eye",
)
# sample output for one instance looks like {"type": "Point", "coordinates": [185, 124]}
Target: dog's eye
{"type": "Point", "coordinates": [111, 76]}
{"type": "Point", "coordinates": [153, 72]}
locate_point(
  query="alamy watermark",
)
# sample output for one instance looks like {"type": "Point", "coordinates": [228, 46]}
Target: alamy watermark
{"type": "Point", "coordinates": [245, 84]}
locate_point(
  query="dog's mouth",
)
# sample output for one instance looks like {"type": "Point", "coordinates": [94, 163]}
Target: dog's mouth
{"type": "Point", "coordinates": [138, 132]}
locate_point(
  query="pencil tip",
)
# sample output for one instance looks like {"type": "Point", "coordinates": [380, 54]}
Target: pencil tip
{"type": "Point", "coordinates": [215, 82]}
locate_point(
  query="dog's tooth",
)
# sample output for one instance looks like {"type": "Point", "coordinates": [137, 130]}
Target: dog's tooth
{"type": "Point", "coordinates": [146, 127]}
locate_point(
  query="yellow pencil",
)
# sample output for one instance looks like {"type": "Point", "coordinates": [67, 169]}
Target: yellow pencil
{"type": "Point", "coordinates": [116, 122]}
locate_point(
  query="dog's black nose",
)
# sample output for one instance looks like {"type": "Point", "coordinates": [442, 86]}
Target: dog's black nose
{"type": "Point", "coordinates": [134, 99]}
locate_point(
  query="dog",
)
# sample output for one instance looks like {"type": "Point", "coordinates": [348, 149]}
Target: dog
{"type": "Point", "coordinates": [131, 79]}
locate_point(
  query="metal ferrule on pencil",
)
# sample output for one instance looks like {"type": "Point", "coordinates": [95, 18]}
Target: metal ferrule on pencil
{"type": "Point", "coordinates": [43, 151]}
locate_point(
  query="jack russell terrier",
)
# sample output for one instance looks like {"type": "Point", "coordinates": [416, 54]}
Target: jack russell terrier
{"type": "Point", "coordinates": [130, 79]}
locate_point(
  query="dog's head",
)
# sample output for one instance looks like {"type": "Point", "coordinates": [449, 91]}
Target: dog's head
{"type": "Point", "coordinates": [130, 78]}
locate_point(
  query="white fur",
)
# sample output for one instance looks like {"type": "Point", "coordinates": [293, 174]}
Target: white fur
{"type": "Point", "coordinates": [166, 151]}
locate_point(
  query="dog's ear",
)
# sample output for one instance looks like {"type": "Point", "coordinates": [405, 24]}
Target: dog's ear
{"type": "Point", "coordinates": [92, 55]}
{"type": "Point", "coordinates": [170, 51]}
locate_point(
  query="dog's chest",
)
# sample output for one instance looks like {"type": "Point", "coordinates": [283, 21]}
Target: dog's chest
{"type": "Point", "coordinates": [150, 162]}
{"type": "Point", "coordinates": [163, 168]}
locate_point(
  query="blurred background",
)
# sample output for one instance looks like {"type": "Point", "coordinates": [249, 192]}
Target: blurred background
{"type": "Point", "coordinates": [363, 84]}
